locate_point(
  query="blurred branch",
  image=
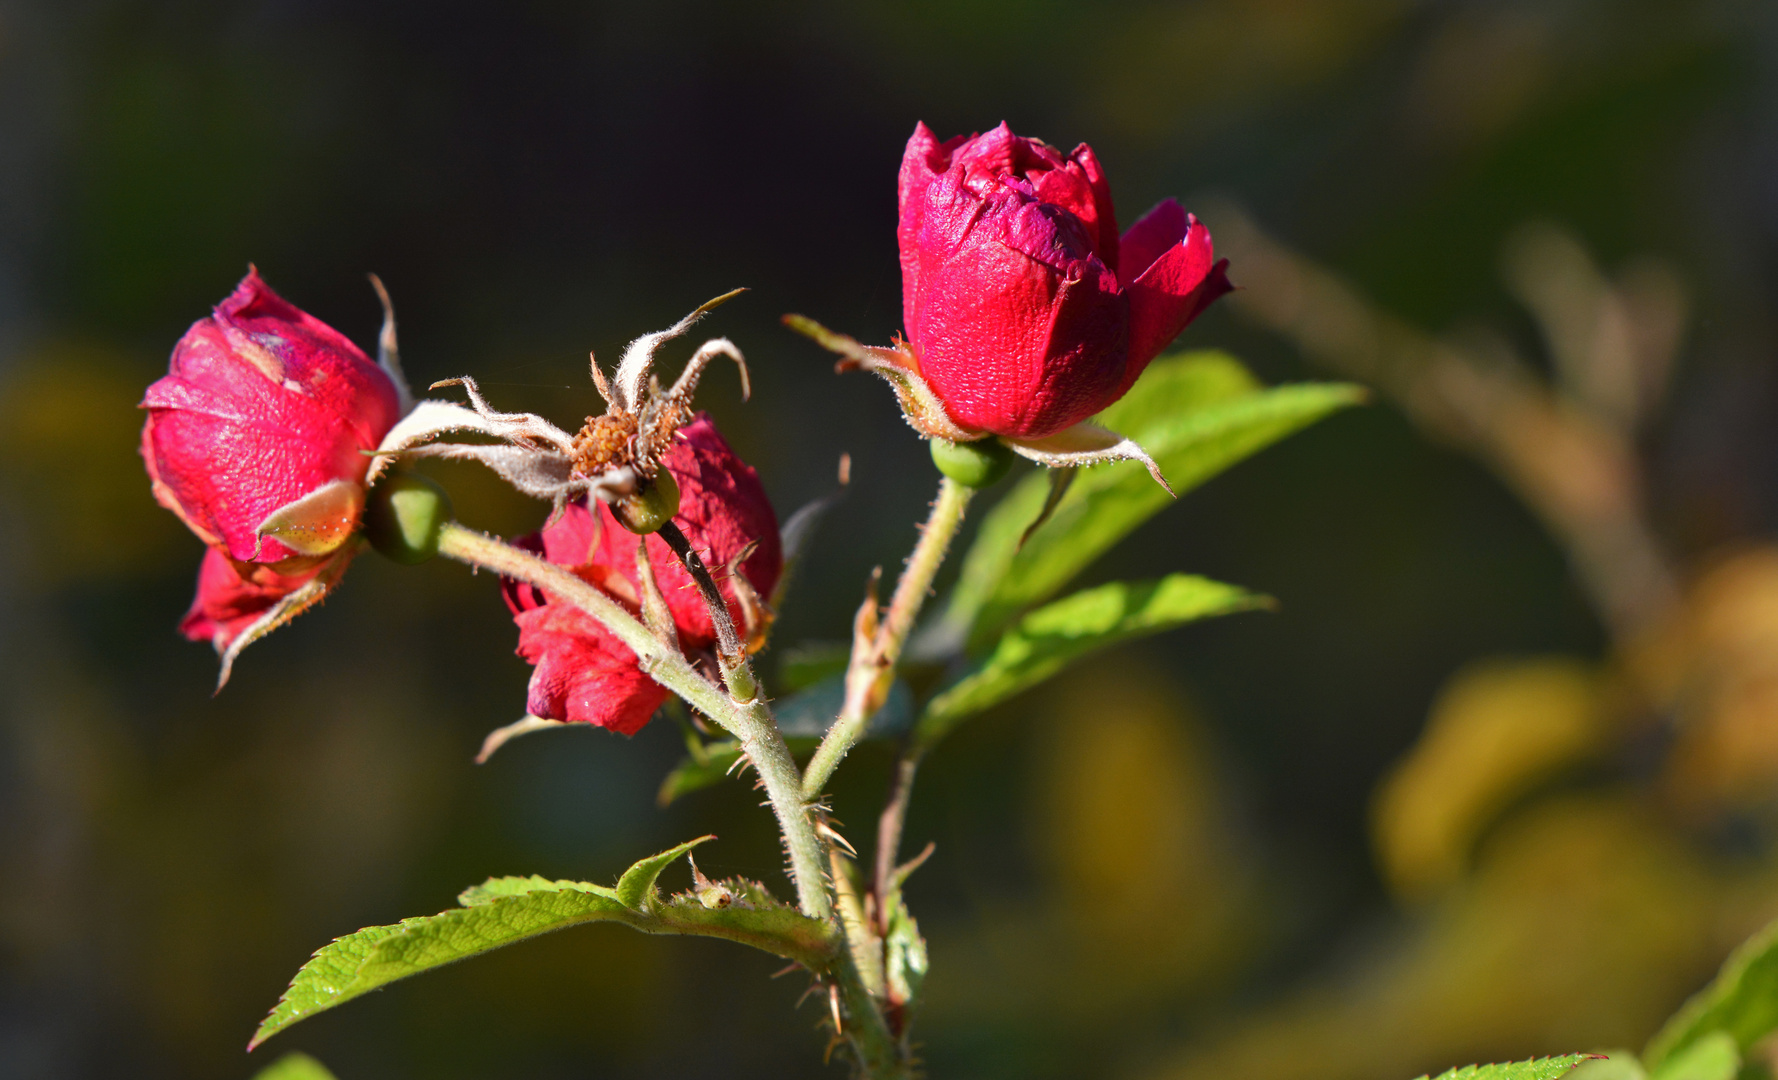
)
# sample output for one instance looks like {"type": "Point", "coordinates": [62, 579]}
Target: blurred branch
{"type": "Point", "coordinates": [1568, 456]}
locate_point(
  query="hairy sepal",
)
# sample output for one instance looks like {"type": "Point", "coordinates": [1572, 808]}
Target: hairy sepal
{"type": "Point", "coordinates": [1085, 444]}
{"type": "Point", "coordinates": [289, 607]}
{"type": "Point", "coordinates": [318, 523]}
{"type": "Point", "coordinates": [919, 403]}
{"type": "Point", "coordinates": [430, 420]}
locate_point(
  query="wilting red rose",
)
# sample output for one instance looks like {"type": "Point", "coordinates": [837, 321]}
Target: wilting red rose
{"type": "Point", "coordinates": [256, 438]}
{"type": "Point", "coordinates": [1025, 310]}
{"type": "Point", "coordinates": [264, 406]}
{"type": "Point", "coordinates": [584, 674]}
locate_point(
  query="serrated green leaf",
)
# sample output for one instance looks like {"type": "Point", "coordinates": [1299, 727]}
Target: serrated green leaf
{"type": "Point", "coordinates": [636, 887]}
{"type": "Point", "coordinates": [497, 888]}
{"type": "Point", "coordinates": [1197, 415]}
{"type": "Point", "coordinates": [503, 911]}
{"type": "Point", "coordinates": [1548, 1068]}
{"type": "Point", "coordinates": [1050, 638]}
{"type": "Point", "coordinates": [1742, 1000]}
{"type": "Point", "coordinates": [294, 1066]}
{"type": "Point", "coordinates": [1713, 1057]}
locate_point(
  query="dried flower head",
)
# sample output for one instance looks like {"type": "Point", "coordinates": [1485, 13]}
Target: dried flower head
{"type": "Point", "coordinates": [614, 456]}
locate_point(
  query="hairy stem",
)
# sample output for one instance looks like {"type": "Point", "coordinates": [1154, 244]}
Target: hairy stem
{"type": "Point", "coordinates": [749, 722]}
{"type": "Point", "coordinates": [763, 744]}
{"type": "Point", "coordinates": [881, 1055]}
{"type": "Point", "coordinates": [872, 668]}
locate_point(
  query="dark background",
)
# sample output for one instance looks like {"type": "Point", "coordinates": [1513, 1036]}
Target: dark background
{"type": "Point", "coordinates": [1164, 866]}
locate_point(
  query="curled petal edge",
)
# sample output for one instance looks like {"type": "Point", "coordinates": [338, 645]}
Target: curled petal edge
{"type": "Point", "coordinates": [289, 607]}
{"type": "Point", "coordinates": [919, 404]}
{"type": "Point", "coordinates": [1086, 444]}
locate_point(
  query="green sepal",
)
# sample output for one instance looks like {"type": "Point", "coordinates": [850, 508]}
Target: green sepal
{"type": "Point", "coordinates": [973, 464]}
{"type": "Point", "coordinates": [1053, 636]}
{"type": "Point", "coordinates": [502, 911]}
{"type": "Point", "coordinates": [403, 516]}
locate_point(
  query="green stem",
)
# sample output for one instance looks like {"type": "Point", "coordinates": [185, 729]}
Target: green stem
{"type": "Point", "coordinates": [881, 1056]}
{"type": "Point", "coordinates": [872, 668]}
{"type": "Point", "coordinates": [749, 722]}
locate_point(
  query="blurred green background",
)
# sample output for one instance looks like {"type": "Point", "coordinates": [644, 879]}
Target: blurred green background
{"type": "Point", "coordinates": [1498, 778]}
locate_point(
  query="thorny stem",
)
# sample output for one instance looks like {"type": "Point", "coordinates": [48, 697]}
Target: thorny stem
{"type": "Point", "coordinates": [881, 1056]}
{"type": "Point", "coordinates": [730, 652]}
{"type": "Point", "coordinates": [872, 668]}
{"type": "Point", "coordinates": [749, 722]}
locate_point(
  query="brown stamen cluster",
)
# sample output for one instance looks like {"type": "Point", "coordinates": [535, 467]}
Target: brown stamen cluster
{"type": "Point", "coordinates": [606, 442]}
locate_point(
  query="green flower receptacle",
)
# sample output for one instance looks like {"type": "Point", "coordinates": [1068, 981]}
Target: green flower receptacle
{"type": "Point", "coordinates": [403, 516]}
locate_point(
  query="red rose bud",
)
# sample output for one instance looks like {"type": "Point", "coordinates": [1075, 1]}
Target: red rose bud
{"type": "Point", "coordinates": [257, 436]}
{"type": "Point", "coordinates": [582, 673]}
{"type": "Point", "coordinates": [1026, 313]}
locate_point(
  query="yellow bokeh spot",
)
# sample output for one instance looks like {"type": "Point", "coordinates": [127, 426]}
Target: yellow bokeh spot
{"type": "Point", "coordinates": [1497, 730]}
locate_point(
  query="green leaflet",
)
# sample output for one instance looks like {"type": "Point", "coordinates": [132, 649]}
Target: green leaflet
{"type": "Point", "coordinates": [1713, 1057]}
{"type": "Point", "coordinates": [1196, 414]}
{"type": "Point", "coordinates": [1548, 1068]}
{"type": "Point", "coordinates": [1053, 636]}
{"type": "Point", "coordinates": [294, 1066]}
{"type": "Point", "coordinates": [904, 956]}
{"type": "Point", "coordinates": [502, 911]}
{"type": "Point", "coordinates": [1742, 1001]}
{"type": "Point", "coordinates": [635, 890]}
